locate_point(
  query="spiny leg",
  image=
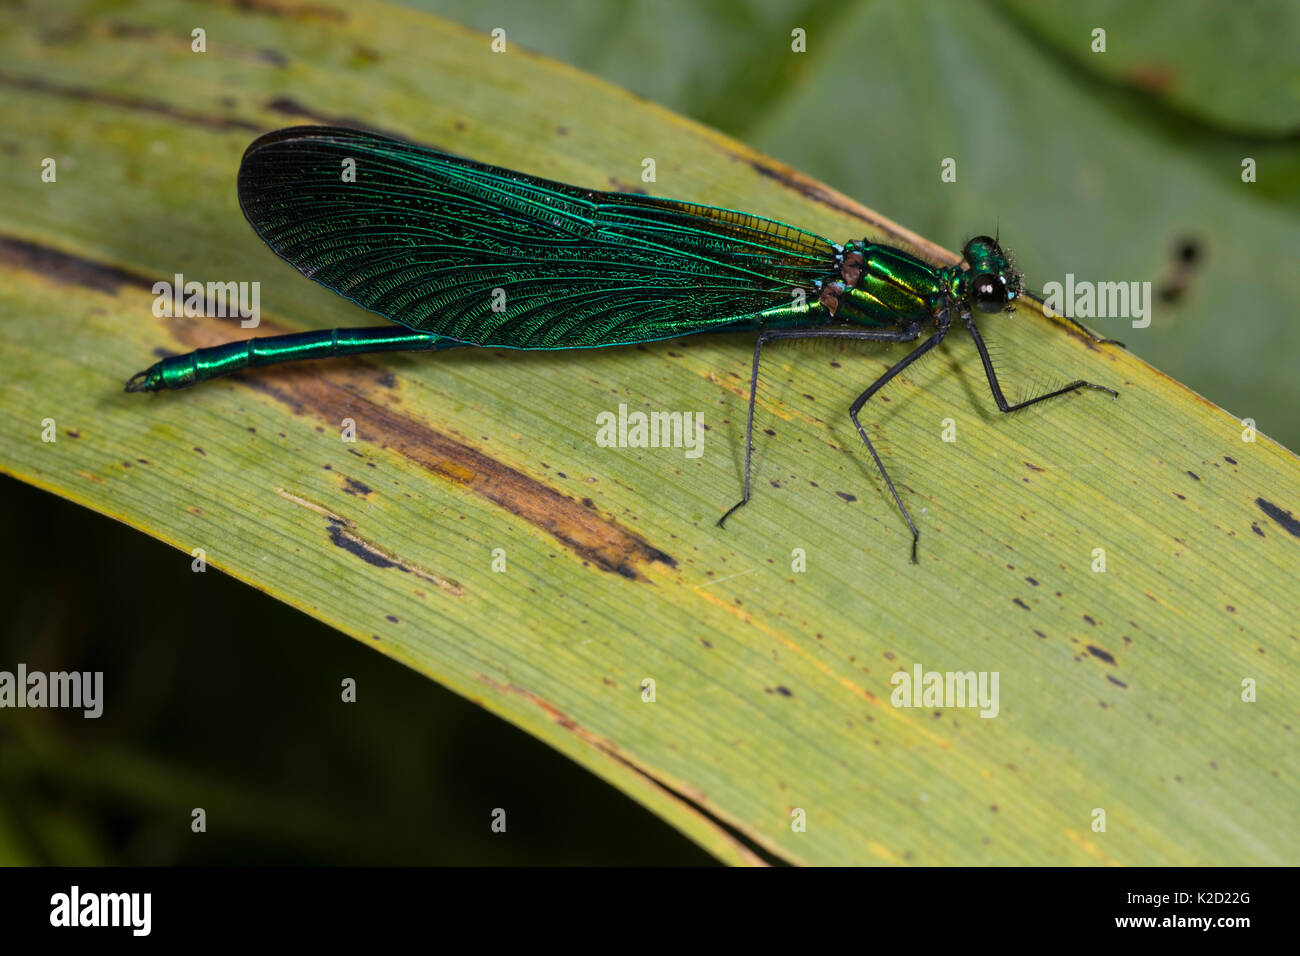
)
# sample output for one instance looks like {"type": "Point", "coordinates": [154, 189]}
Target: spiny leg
{"type": "Point", "coordinates": [891, 335]}
{"type": "Point", "coordinates": [996, 388]}
{"type": "Point", "coordinates": [1100, 340]}
{"type": "Point", "coordinates": [876, 386]}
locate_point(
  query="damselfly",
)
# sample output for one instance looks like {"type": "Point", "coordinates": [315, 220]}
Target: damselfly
{"type": "Point", "coordinates": [461, 253]}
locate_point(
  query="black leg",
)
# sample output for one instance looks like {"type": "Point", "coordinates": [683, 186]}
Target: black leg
{"type": "Point", "coordinates": [996, 389]}
{"type": "Point", "coordinates": [1075, 322]}
{"type": "Point", "coordinates": [908, 334]}
{"type": "Point", "coordinates": [1091, 334]}
{"type": "Point", "coordinates": [876, 386]}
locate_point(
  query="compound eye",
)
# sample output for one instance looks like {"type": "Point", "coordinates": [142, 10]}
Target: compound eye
{"type": "Point", "coordinates": [988, 292]}
{"type": "Point", "coordinates": [978, 247]}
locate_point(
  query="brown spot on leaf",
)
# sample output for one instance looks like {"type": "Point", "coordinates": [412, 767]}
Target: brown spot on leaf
{"type": "Point", "coordinates": [1154, 78]}
{"type": "Point", "coordinates": [66, 268]}
{"type": "Point", "coordinates": [1098, 652]}
{"type": "Point", "coordinates": [1282, 517]}
{"type": "Point", "coordinates": [354, 487]}
{"type": "Point", "coordinates": [602, 541]}
{"type": "Point", "coordinates": [85, 94]}
{"type": "Point", "coordinates": [343, 534]}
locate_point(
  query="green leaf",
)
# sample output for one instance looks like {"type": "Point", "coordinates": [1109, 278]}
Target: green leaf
{"type": "Point", "coordinates": [1119, 690]}
{"type": "Point", "coordinates": [1188, 56]}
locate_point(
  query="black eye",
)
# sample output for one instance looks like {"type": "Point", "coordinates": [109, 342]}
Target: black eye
{"type": "Point", "coordinates": [988, 292]}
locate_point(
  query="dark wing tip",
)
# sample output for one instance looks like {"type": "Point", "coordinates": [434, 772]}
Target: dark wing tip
{"type": "Point", "coordinates": [302, 133]}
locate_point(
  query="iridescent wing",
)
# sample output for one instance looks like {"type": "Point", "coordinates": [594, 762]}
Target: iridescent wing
{"type": "Point", "coordinates": [489, 256]}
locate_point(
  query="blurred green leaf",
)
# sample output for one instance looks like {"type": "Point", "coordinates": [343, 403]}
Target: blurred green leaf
{"type": "Point", "coordinates": [1227, 64]}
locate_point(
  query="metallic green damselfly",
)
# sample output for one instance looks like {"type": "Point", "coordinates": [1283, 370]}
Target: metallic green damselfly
{"type": "Point", "coordinates": [462, 253]}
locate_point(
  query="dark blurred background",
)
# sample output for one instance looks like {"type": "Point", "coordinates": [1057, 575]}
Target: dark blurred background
{"type": "Point", "coordinates": [408, 774]}
{"type": "Point", "coordinates": [1115, 166]}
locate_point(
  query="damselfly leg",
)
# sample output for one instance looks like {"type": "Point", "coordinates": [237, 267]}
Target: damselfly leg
{"type": "Point", "coordinates": [907, 334]}
{"type": "Point", "coordinates": [876, 386]}
{"type": "Point", "coordinates": [996, 388]}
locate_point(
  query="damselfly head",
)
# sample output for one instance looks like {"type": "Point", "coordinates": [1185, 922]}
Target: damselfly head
{"type": "Point", "coordinates": [992, 284]}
